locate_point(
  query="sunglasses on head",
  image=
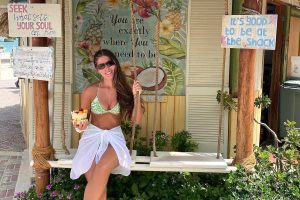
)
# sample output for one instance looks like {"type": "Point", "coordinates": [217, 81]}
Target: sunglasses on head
{"type": "Point", "coordinates": [107, 64]}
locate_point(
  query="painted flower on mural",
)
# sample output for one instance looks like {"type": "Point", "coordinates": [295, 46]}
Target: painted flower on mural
{"type": "Point", "coordinates": [166, 28]}
{"type": "Point", "coordinates": [127, 68]}
{"type": "Point", "coordinates": [87, 50]}
{"type": "Point", "coordinates": [146, 8]}
{"type": "Point", "coordinates": [112, 3]}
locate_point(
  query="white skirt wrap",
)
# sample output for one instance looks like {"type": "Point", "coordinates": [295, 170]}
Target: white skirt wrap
{"type": "Point", "coordinates": [93, 144]}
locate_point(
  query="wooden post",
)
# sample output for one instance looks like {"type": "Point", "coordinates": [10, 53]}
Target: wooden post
{"type": "Point", "coordinates": [245, 113]}
{"type": "Point", "coordinates": [276, 67]}
{"type": "Point", "coordinates": [235, 54]}
{"type": "Point", "coordinates": [41, 116]}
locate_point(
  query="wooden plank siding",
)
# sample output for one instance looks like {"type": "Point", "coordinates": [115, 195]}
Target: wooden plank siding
{"type": "Point", "coordinates": [204, 75]}
{"type": "Point", "coordinates": [170, 117]}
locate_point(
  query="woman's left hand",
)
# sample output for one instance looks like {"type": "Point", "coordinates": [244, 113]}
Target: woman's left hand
{"type": "Point", "coordinates": [136, 87]}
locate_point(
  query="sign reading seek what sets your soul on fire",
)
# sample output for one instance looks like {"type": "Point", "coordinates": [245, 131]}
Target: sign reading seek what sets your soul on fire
{"type": "Point", "coordinates": [34, 20]}
{"type": "Point", "coordinates": [249, 31]}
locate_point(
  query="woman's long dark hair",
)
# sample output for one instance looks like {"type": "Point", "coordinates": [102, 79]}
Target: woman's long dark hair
{"type": "Point", "coordinates": [124, 92]}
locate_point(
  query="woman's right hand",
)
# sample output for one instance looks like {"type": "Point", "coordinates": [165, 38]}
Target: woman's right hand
{"type": "Point", "coordinates": [81, 126]}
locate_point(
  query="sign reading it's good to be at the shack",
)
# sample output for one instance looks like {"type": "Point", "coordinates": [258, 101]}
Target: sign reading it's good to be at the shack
{"type": "Point", "coordinates": [34, 20]}
{"type": "Point", "coordinates": [249, 31]}
{"type": "Point", "coordinates": [33, 62]}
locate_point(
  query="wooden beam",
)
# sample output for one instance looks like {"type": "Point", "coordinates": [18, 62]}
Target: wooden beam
{"type": "Point", "coordinates": [245, 113]}
{"type": "Point", "coordinates": [276, 68]}
{"type": "Point", "coordinates": [41, 116]}
{"type": "Point", "coordinates": [235, 54]}
{"type": "Point", "coordinates": [286, 35]}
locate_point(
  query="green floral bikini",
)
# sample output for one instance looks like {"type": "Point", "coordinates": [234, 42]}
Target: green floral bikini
{"type": "Point", "coordinates": [97, 108]}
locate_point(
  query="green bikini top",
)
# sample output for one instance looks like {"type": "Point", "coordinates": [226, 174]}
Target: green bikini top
{"type": "Point", "coordinates": [97, 108]}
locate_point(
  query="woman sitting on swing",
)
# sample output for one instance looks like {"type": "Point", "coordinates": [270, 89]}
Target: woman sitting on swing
{"type": "Point", "coordinates": [102, 148]}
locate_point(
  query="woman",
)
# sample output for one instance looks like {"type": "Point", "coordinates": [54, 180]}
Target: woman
{"type": "Point", "coordinates": [102, 149]}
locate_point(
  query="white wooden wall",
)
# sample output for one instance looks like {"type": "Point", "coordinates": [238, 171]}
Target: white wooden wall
{"type": "Point", "coordinates": [56, 90]}
{"type": "Point", "coordinates": [204, 75]}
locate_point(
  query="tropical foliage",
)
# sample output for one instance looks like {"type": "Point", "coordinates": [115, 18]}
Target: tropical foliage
{"type": "Point", "coordinates": [276, 176]}
{"type": "Point", "coordinates": [175, 78]}
{"type": "Point", "coordinates": [229, 103]}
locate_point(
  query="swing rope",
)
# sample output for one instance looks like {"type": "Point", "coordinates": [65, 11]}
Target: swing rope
{"type": "Point", "coordinates": [222, 91]}
{"type": "Point", "coordinates": [137, 95]}
{"type": "Point", "coordinates": [63, 133]}
{"type": "Point", "coordinates": [156, 79]}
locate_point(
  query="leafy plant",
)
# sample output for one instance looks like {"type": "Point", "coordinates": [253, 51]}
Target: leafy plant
{"type": "Point", "coordinates": [262, 101]}
{"type": "Point", "coordinates": [267, 181]}
{"type": "Point", "coordinates": [182, 141]}
{"type": "Point", "coordinates": [276, 174]}
{"type": "Point", "coordinates": [161, 140]}
{"type": "Point", "coordinates": [175, 78]}
{"type": "Point", "coordinates": [228, 102]}
{"type": "Point", "coordinates": [61, 187]}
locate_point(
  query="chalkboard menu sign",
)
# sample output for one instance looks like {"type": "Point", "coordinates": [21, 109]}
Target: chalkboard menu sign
{"type": "Point", "coordinates": [33, 62]}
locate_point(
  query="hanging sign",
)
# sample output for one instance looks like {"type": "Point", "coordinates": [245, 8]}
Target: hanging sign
{"type": "Point", "coordinates": [33, 62]}
{"type": "Point", "coordinates": [249, 31]}
{"type": "Point", "coordinates": [295, 66]}
{"type": "Point", "coordinates": [34, 20]}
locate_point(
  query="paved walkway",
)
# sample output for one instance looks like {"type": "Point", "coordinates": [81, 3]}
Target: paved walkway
{"type": "Point", "coordinates": [12, 143]}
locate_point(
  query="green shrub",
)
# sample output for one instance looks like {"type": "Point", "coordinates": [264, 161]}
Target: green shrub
{"type": "Point", "coordinates": [268, 181]}
{"type": "Point", "coordinates": [182, 141]}
{"type": "Point", "coordinates": [61, 187]}
{"type": "Point", "coordinates": [161, 140]}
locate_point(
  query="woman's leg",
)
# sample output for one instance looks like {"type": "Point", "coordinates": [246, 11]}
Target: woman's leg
{"type": "Point", "coordinates": [104, 195]}
{"type": "Point", "coordinates": [96, 187]}
{"type": "Point", "coordinates": [89, 174]}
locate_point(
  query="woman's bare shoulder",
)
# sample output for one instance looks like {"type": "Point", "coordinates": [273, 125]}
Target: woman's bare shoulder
{"type": "Point", "coordinates": [91, 89]}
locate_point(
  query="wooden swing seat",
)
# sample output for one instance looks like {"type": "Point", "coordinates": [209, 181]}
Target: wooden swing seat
{"type": "Point", "coordinates": [165, 161]}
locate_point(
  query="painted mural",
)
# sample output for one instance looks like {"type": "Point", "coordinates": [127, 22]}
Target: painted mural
{"type": "Point", "coordinates": [107, 24]}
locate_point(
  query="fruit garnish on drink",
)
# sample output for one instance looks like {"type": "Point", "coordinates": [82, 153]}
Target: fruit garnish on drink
{"type": "Point", "coordinates": [79, 115]}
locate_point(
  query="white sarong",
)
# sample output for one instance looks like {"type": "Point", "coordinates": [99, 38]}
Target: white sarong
{"type": "Point", "coordinates": [93, 144]}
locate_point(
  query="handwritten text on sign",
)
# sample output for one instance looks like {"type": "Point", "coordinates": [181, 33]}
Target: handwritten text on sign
{"type": "Point", "coordinates": [34, 20]}
{"type": "Point", "coordinates": [33, 62]}
{"type": "Point", "coordinates": [249, 31]}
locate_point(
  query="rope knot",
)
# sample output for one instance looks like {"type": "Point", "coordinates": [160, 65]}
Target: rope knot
{"type": "Point", "coordinates": [41, 155]}
{"type": "Point", "coordinates": [248, 163]}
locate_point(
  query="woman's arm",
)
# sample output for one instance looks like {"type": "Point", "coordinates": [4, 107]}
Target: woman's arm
{"type": "Point", "coordinates": [85, 99]}
{"type": "Point", "coordinates": [137, 89]}
{"type": "Point", "coordinates": [85, 103]}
